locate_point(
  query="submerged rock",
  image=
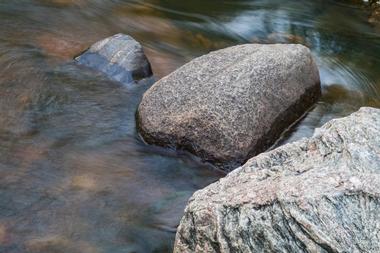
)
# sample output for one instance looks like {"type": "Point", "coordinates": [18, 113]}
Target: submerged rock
{"type": "Point", "coordinates": [59, 46]}
{"type": "Point", "coordinates": [231, 104]}
{"type": "Point", "coordinates": [59, 244]}
{"type": "Point", "coordinates": [120, 57]}
{"type": "Point", "coordinates": [316, 195]}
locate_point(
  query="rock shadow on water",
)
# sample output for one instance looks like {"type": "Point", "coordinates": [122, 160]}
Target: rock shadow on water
{"type": "Point", "coordinates": [336, 99]}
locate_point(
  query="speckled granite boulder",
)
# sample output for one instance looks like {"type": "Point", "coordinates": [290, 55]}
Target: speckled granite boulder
{"type": "Point", "coordinates": [120, 57]}
{"type": "Point", "coordinates": [230, 104]}
{"type": "Point", "coordinates": [316, 195]}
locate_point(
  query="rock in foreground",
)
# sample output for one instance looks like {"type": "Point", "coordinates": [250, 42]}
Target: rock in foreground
{"type": "Point", "coordinates": [120, 57]}
{"type": "Point", "coordinates": [317, 195]}
{"type": "Point", "coordinates": [230, 104]}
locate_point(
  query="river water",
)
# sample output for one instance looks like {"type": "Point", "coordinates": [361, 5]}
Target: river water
{"type": "Point", "coordinates": [75, 177]}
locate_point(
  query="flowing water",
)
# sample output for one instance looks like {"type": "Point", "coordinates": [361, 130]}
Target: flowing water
{"type": "Point", "coordinates": [74, 174]}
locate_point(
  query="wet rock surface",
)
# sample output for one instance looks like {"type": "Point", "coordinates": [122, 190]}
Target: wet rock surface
{"type": "Point", "coordinates": [316, 195]}
{"type": "Point", "coordinates": [231, 104]}
{"type": "Point", "coordinates": [120, 57]}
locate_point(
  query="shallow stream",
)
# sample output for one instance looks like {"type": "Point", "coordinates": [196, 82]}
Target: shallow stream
{"type": "Point", "coordinates": [75, 177]}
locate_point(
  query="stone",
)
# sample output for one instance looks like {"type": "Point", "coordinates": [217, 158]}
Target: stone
{"type": "Point", "coordinates": [119, 57]}
{"type": "Point", "coordinates": [231, 104]}
{"type": "Point", "coordinates": [320, 194]}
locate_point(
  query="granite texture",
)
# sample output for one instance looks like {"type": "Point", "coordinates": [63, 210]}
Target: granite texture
{"type": "Point", "coordinates": [316, 195]}
{"type": "Point", "coordinates": [231, 104]}
{"type": "Point", "coordinates": [119, 57]}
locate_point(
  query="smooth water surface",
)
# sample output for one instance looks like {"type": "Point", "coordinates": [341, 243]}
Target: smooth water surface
{"type": "Point", "coordinates": [75, 176]}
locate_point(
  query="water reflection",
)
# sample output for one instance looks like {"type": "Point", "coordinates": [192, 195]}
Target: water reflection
{"type": "Point", "coordinates": [74, 174]}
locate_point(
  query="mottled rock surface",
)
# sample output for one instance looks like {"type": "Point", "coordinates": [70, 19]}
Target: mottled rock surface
{"type": "Point", "coordinates": [230, 104]}
{"type": "Point", "coordinates": [120, 57]}
{"type": "Point", "coordinates": [316, 195]}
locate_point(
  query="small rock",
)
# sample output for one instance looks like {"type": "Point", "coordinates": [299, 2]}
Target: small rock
{"type": "Point", "coordinates": [120, 57]}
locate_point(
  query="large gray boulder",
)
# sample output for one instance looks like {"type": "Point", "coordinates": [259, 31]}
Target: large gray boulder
{"type": "Point", "coordinates": [119, 57]}
{"type": "Point", "coordinates": [316, 195]}
{"type": "Point", "coordinates": [230, 104]}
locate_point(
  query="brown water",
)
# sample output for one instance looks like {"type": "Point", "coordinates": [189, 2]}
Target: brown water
{"type": "Point", "coordinates": [74, 174]}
